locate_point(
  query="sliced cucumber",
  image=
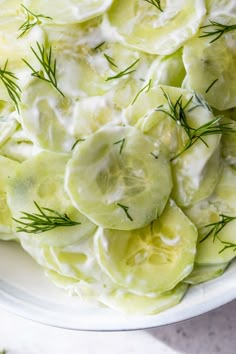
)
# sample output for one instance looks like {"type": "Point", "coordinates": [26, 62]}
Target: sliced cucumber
{"type": "Point", "coordinates": [8, 126]}
{"type": "Point", "coordinates": [119, 178]}
{"type": "Point", "coordinates": [40, 179]}
{"type": "Point", "coordinates": [71, 11]}
{"type": "Point", "coordinates": [153, 31]}
{"type": "Point", "coordinates": [202, 273]}
{"type": "Point", "coordinates": [168, 70]}
{"type": "Point", "coordinates": [152, 259]}
{"type": "Point", "coordinates": [12, 47]}
{"type": "Point", "coordinates": [204, 66]}
{"type": "Point", "coordinates": [7, 168]}
{"type": "Point", "coordinates": [196, 171]}
{"type": "Point", "coordinates": [229, 143]}
{"type": "Point", "coordinates": [130, 303]}
{"type": "Point", "coordinates": [93, 113]}
{"type": "Point", "coordinates": [220, 9]}
{"type": "Point", "coordinates": [76, 260]}
{"type": "Point", "coordinates": [92, 59]}
{"type": "Point", "coordinates": [18, 146]}
{"type": "Point", "coordinates": [46, 116]}
{"type": "Point", "coordinates": [60, 280]}
{"type": "Point", "coordinates": [207, 212]}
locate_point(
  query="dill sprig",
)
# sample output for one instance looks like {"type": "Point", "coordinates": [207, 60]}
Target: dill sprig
{"type": "Point", "coordinates": [46, 220]}
{"type": "Point", "coordinates": [216, 227]}
{"type": "Point", "coordinates": [227, 245]}
{"type": "Point", "coordinates": [9, 81]}
{"type": "Point", "coordinates": [121, 142]}
{"type": "Point", "coordinates": [76, 142]}
{"type": "Point", "coordinates": [146, 87]}
{"type": "Point", "coordinates": [49, 66]}
{"type": "Point", "coordinates": [99, 45]}
{"type": "Point", "coordinates": [110, 60]}
{"type": "Point", "coordinates": [200, 102]}
{"type": "Point", "coordinates": [154, 155]}
{"type": "Point", "coordinates": [156, 3]}
{"type": "Point", "coordinates": [125, 72]}
{"type": "Point", "coordinates": [177, 113]}
{"type": "Point", "coordinates": [125, 208]}
{"type": "Point", "coordinates": [216, 30]}
{"type": "Point", "coordinates": [211, 85]}
{"type": "Point", "coordinates": [31, 21]}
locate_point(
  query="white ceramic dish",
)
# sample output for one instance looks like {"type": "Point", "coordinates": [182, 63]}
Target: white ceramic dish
{"type": "Point", "coordinates": [25, 291]}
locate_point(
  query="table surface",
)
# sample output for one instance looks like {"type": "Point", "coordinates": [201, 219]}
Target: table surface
{"type": "Point", "coordinates": [212, 333]}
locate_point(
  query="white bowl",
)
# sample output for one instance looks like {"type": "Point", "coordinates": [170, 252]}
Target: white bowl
{"type": "Point", "coordinates": [25, 291]}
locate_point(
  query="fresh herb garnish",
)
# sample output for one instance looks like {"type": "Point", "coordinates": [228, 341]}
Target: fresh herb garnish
{"type": "Point", "coordinates": [125, 208]}
{"type": "Point", "coordinates": [31, 21]}
{"type": "Point", "coordinates": [211, 85]}
{"type": "Point", "coordinates": [125, 72]}
{"type": "Point", "coordinates": [9, 81]}
{"type": "Point", "coordinates": [156, 3]}
{"type": "Point", "coordinates": [46, 220]}
{"type": "Point", "coordinates": [177, 113]}
{"type": "Point", "coordinates": [216, 30]}
{"type": "Point", "coordinates": [200, 102]}
{"type": "Point", "coordinates": [121, 142]}
{"type": "Point", "coordinates": [146, 87]}
{"type": "Point", "coordinates": [227, 246]}
{"type": "Point", "coordinates": [49, 66]}
{"type": "Point", "coordinates": [154, 155]}
{"type": "Point", "coordinates": [216, 227]}
{"type": "Point", "coordinates": [76, 142]}
{"type": "Point", "coordinates": [110, 60]}
{"type": "Point", "coordinates": [99, 45]}
{"type": "Point", "coordinates": [3, 352]}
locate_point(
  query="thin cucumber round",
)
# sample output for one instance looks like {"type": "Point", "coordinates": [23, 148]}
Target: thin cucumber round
{"type": "Point", "coordinates": [119, 178]}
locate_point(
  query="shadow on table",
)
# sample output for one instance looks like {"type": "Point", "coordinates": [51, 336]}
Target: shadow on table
{"type": "Point", "coordinates": [211, 333]}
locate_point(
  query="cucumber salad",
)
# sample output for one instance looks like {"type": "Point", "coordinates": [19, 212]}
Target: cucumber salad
{"type": "Point", "coordinates": [118, 144]}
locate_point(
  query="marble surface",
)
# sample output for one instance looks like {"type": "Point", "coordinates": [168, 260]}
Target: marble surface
{"type": "Point", "coordinates": [212, 333]}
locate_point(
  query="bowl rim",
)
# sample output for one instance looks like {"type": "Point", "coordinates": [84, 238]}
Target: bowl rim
{"type": "Point", "coordinates": [26, 292]}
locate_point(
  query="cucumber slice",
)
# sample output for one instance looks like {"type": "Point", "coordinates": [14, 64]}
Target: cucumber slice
{"type": "Point", "coordinates": [229, 143]}
{"type": "Point", "coordinates": [60, 280]}
{"type": "Point", "coordinates": [208, 211]}
{"type": "Point", "coordinates": [8, 126]}
{"type": "Point", "coordinates": [75, 260]}
{"type": "Point", "coordinates": [224, 194]}
{"type": "Point", "coordinates": [195, 172]}
{"type": "Point", "coordinates": [93, 113]}
{"type": "Point", "coordinates": [13, 48]}
{"type": "Point", "coordinates": [92, 58]}
{"type": "Point", "coordinates": [74, 44]}
{"type": "Point", "coordinates": [119, 178]}
{"type": "Point", "coordinates": [7, 168]}
{"type": "Point", "coordinates": [152, 31]}
{"type": "Point", "coordinates": [220, 9]}
{"type": "Point", "coordinates": [143, 305]}
{"type": "Point", "coordinates": [18, 146]}
{"type": "Point", "coordinates": [204, 66]}
{"type": "Point", "coordinates": [202, 273]}
{"type": "Point", "coordinates": [152, 259]}
{"type": "Point", "coordinates": [168, 70]}
{"type": "Point", "coordinates": [119, 300]}
{"type": "Point", "coordinates": [46, 116]}
{"type": "Point", "coordinates": [41, 179]}
{"type": "Point", "coordinates": [71, 11]}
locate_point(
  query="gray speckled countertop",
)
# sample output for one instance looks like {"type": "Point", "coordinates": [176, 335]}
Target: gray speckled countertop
{"type": "Point", "coordinates": [212, 333]}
